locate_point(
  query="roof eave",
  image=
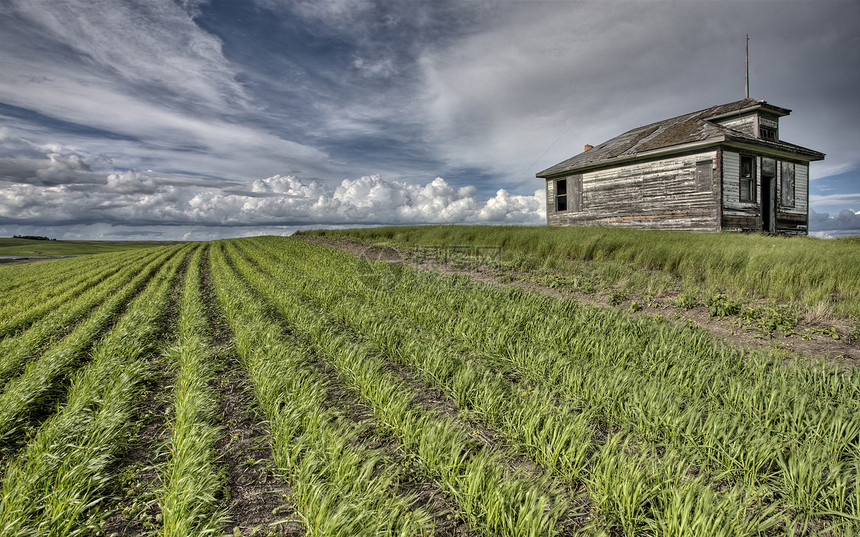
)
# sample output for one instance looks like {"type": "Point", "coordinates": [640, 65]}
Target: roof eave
{"type": "Point", "coordinates": [795, 152]}
{"type": "Point", "coordinates": [778, 110]}
{"type": "Point", "coordinates": [645, 155]}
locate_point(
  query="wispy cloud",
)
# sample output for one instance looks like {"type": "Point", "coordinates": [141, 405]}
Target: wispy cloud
{"type": "Point", "coordinates": [143, 43]}
{"type": "Point", "coordinates": [148, 72]}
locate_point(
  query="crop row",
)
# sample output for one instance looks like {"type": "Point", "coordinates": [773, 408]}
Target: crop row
{"type": "Point", "coordinates": [559, 437]}
{"type": "Point", "coordinates": [21, 282]}
{"type": "Point", "coordinates": [33, 386]}
{"type": "Point", "coordinates": [52, 485]}
{"type": "Point", "coordinates": [107, 297]}
{"type": "Point", "coordinates": [189, 499]}
{"type": "Point", "coordinates": [502, 502]}
{"type": "Point", "coordinates": [399, 401]}
{"type": "Point", "coordinates": [341, 485]}
{"type": "Point", "coordinates": [22, 307]}
{"type": "Point", "coordinates": [39, 275]}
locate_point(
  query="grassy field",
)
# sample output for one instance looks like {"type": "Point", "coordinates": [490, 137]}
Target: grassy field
{"type": "Point", "coordinates": [135, 385]}
{"type": "Point", "coordinates": [28, 247]}
{"type": "Point", "coordinates": [819, 275]}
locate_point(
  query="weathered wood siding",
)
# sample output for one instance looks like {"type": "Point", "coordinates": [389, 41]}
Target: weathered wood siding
{"type": "Point", "coordinates": [801, 187]}
{"type": "Point", "coordinates": [550, 199]}
{"type": "Point", "coordinates": [661, 194]}
{"type": "Point", "coordinates": [747, 124]}
{"type": "Point", "coordinates": [794, 220]}
{"type": "Point", "coordinates": [801, 181]}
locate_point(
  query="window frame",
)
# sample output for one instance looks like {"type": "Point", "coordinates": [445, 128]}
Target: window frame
{"type": "Point", "coordinates": [767, 133]}
{"type": "Point", "coordinates": [561, 204]}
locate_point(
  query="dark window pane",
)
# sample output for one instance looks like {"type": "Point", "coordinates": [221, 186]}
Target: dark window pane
{"type": "Point", "coordinates": [746, 167]}
{"type": "Point", "coordinates": [766, 133]}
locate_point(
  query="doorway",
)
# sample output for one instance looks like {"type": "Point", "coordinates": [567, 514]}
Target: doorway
{"type": "Point", "coordinates": [768, 195]}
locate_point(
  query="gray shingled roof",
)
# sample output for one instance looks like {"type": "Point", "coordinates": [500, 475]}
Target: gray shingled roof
{"type": "Point", "coordinates": [690, 128]}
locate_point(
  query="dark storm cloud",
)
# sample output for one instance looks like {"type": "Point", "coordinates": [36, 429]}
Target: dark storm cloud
{"type": "Point", "coordinates": [846, 220]}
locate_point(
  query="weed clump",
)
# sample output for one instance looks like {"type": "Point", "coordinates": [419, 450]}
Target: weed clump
{"type": "Point", "coordinates": [720, 305]}
{"type": "Point", "coordinates": [772, 317]}
{"type": "Point", "coordinates": [686, 301]}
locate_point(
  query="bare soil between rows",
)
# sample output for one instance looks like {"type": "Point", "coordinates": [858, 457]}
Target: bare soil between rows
{"type": "Point", "coordinates": [842, 352]}
{"type": "Point", "coordinates": [257, 499]}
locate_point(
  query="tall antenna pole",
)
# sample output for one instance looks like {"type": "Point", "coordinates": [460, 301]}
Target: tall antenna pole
{"type": "Point", "coordinates": [747, 76]}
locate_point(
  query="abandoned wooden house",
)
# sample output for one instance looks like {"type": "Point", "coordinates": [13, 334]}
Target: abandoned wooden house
{"type": "Point", "coordinates": [722, 168]}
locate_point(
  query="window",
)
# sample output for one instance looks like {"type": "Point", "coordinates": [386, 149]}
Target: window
{"type": "Point", "coordinates": [767, 133]}
{"type": "Point", "coordinates": [561, 195]}
{"type": "Point", "coordinates": [787, 185]}
{"type": "Point", "coordinates": [703, 175]}
{"type": "Point", "coordinates": [747, 179]}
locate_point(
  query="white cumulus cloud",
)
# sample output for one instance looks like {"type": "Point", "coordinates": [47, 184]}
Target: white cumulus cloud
{"type": "Point", "coordinates": [151, 199]}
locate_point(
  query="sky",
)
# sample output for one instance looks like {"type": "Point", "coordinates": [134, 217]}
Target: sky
{"type": "Point", "coordinates": [197, 120]}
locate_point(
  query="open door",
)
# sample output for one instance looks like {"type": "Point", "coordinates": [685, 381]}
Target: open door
{"type": "Point", "coordinates": [768, 195]}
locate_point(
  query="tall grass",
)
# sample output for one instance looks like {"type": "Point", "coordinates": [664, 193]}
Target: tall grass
{"type": "Point", "coordinates": [820, 274]}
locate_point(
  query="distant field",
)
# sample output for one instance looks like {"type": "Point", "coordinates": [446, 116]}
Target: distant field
{"type": "Point", "coordinates": [135, 387]}
{"type": "Point", "coordinates": [28, 247]}
{"type": "Point", "coordinates": [820, 275]}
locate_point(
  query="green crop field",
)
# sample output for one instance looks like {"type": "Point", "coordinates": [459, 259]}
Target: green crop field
{"type": "Point", "coordinates": [15, 247]}
{"type": "Point", "coordinates": [276, 386]}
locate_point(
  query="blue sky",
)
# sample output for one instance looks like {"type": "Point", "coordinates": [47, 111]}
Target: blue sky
{"type": "Point", "coordinates": [171, 119]}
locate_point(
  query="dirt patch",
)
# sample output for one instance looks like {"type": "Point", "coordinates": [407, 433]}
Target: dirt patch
{"type": "Point", "coordinates": [257, 500]}
{"type": "Point", "coordinates": [810, 341]}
